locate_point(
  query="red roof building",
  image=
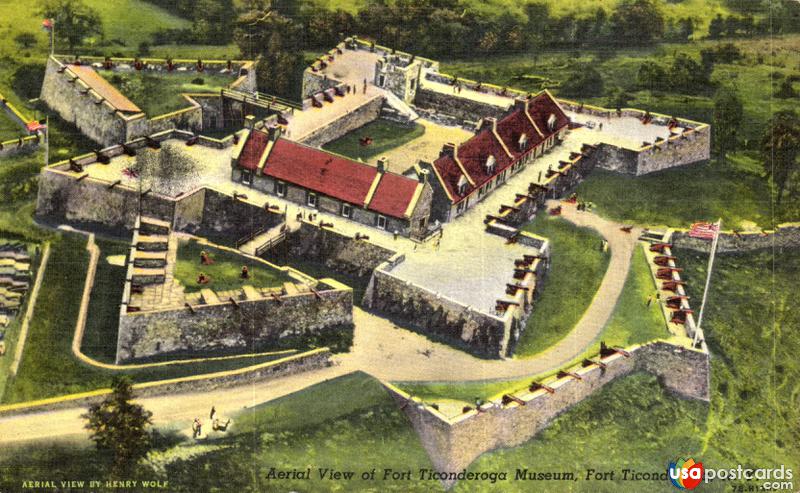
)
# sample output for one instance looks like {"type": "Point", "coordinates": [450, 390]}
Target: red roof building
{"type": "Point", "coordinates": [332, 183]}
{"type": "Point", "coordinates": [484, 160]}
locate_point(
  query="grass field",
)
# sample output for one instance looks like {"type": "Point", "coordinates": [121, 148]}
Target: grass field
{"type": "Point", "coordinates": [8, 128]}
{"type": "Point", "coordinates": [100, 334]}
{"type": "Point", "coordinates": [681, 196]}
{"type": "Point", "coordinates": [157, 94]}
{"type": "Point", "coordinates": [48, 349]}
{"type": "Point", "coordinates": [753, 418]}
{"type": "Point", "coordinates": [632, 322]}
{"type": "Point", "coordinates": [386, 136]}
{"type": "Point", "coordinates": [225, 272]}
{"type": "Point", "coordinates": [576, 269]}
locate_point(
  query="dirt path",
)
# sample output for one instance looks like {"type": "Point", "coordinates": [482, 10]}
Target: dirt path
{"type": "Point", "coordinates": [381, 349]}
{"type": "Point", "coordinates": [393, 353]}
{"type": "Point", "coordinates": [229, 402]}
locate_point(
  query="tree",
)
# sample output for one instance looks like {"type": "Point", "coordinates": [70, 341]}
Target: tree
{"type": "Point", "coordinates": [728, 114]}
{"type": "Point", "coordinates": [652, 76]}
{"type": "Point", "coordinates": [786, 89]}
{"type": "Point", "coordinates": [583, 81]}
{"type": "Point", "coordinates": [276, 43]}
{"type": "Point", "coordinates": [716, 27]}
{"type": "Point", "coordinates": [637, 21]}
{"type": "Point", "coordinates": [780, 147]}
{"type": "Point", "coordinates": [119, 427]}
{"type": "Point", "coordinates": [74, 20]}
{"type": "Point", "coordinates": [25, 39]}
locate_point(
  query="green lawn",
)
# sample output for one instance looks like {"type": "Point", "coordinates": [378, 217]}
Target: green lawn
{"type": "Point", "coordinates": [48, 367]}
{"type": "Point", "coordinates": [753, 418]}
{"type": "Point", "coordinates": [386, 136]}
{"type": "Point", "coordinates": [349, 423]}
{"type": "Point", "coordinates": [8, 128]}
{"type": "Point", "coordinates": [225, 272]}
{"type": "Point", "coordinates": [576, 269]}
{"type": "Point", "coordinates": [632, 322]}
{"type": "Point", "coordinates": [157, 94]}
{"type": "Point", "coordinates": [681, 196]}
{"type": "Point", "coordinates": [100, 334]}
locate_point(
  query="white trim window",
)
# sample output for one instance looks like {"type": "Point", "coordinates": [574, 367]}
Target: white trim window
{"type": "Point", "coordinates": [490, 163]}
{"type": "Point", "coordinates": [247, 177]}
{"type": "Point", "coordinates": [312, 200]}
{"type": "Point", "coordinates": [462, 185]}
{"type": "Point", "coordinates": [381, 222]}
{"type": "Point", "coordinates": [280, 188]}
{"type": "Point", "coordinates": [347, 210]}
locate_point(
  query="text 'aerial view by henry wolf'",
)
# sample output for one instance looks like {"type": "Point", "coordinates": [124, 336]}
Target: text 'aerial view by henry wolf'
{"type": "Point", "coordinates": [399, 245]}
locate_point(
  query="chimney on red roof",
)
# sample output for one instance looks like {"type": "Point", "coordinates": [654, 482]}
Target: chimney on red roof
{"type": "Point", "coordinates": [382, 162]}
{"type": "Point", "coordinates": [274, 133]}
{"type": "Point", "coordinates": [488, 122]}
{"type": "Point", "coordinates": [250, 122]}
{"type": "Point", "coordinates": [422, 176]}
{"type": "Point", "coordinates": [521, 104]}
{"type": "Point", "coordinates": [448, 149]}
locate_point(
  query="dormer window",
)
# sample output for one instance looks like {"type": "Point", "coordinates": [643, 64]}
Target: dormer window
{"type": "Point", "coordinates": [490, 162]}
{"type": "Point", "coordinates": [462, 185]}
{"type": "Point", "coordinates": [551, 122]}
{"type": "Point", "coordinates": [523, 142]}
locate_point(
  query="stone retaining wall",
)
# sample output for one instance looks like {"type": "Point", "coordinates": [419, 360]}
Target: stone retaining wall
{"type": "Point", "coordinates": [352, 120]}
{"type": "Point", "coordinates": [225, 325]}
{"type": "Point", "coordinates": [433, 314]}
{"type": "Point", "coordinates": [454, 106]}
{"type": "Point", "coordinates": [23, 144]}
{"type": "Point", "coordinates": [784, 236]}
{"type": "Point", "coordinates": [453, 443]}
{"type": "Point", "coordinates": [339, 252]}
{"type": "Point", "coordinates": [290, 365]}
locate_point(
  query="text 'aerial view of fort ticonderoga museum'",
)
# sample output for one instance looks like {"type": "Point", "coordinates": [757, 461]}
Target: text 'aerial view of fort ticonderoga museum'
{"type": "Point", "coordinates": [399, 245]}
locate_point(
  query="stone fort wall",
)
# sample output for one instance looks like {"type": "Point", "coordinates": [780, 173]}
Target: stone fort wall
{"type": "Point", "coordinates": [66, 196]}
{"type": "Point", "coordinates": [352, 120]}
{"type": "Point", "coordinates": [453, 443]}
{"type": "Point", "coordinates": [783, 236]}
{"type": "Point", "coordinates": [77, 103]}
{"type": "Point", "coordinates": [290, 365]}
{"type": "Point", "coordinates": [227, 325]}
{"type": "Point", "coordinates": [338, 251]}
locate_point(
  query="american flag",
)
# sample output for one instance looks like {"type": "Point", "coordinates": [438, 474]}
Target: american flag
{"type": "Point", "coordinates": [705, 231]}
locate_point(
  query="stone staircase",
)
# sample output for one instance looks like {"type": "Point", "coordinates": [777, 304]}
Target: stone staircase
{"type": "Point", "coordinates": [399, 109]}
{"type": "Point", "coordinates": [153, 274]}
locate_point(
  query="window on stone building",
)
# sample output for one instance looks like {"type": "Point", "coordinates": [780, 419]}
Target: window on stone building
{"type": "Point", "coordinates": [312, 199]}
{"type": "Point", "coordinates": [381, 222]}
{"type": "Point", "coordinates": [247, 177]}
{"type": "Point", "coordinates": [413, 84]}
{"type": "Point", "coordinates": [280, 189]}
{"type": "Point", "coordinates": [423, 222]}
{"type": "Point", "coordinates": [212, 121]}
{"type": "Point", "coordinates": [381, 80]}
{"type": "Point", "coordinates": [347, 210]}
{"type": "Point", "coordinates": [460, 208]}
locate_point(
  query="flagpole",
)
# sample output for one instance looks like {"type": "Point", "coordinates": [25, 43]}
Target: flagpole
{"type": "Point", "coordinates": [708, 280]}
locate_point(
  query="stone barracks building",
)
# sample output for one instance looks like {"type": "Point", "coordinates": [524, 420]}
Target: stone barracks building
{"type": "Point", "coordinates": [467, 173]}
{"type": "Point", "coordinates": [334, 184]}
